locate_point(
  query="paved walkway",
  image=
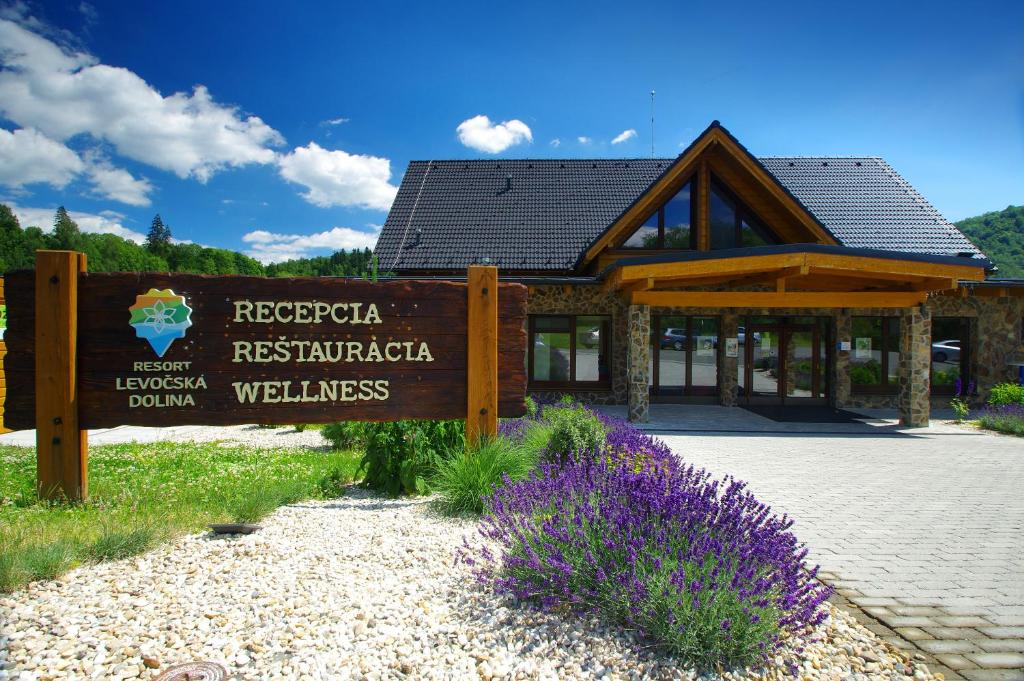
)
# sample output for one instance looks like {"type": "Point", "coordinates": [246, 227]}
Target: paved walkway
{"type": "Point", "coordinates": [924, 529]}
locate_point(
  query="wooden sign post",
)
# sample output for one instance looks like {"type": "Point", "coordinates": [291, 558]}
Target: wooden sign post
{"type": "Point", "coordinates": [61, 447]}
{"type": "Point", "coordinates": [482, 367]}
{"type": "Point", "coordinates": [100, 350]}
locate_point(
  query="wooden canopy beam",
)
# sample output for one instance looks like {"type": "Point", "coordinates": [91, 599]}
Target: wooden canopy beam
{"type": "Point", "coordinates": [761, 299]}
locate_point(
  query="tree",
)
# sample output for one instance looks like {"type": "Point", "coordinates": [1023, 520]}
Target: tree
{"type": "Point", "coordinates": [66, 235]}
{"type": "Point", "coordinates": [159, 236]}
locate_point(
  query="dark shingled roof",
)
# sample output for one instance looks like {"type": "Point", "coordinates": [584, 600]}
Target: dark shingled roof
{"type": "Point", "coordinates": [541, 215]}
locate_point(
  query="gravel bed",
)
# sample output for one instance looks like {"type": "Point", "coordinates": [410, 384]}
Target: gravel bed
{"type": "Point", "coordinates": [357, 587]}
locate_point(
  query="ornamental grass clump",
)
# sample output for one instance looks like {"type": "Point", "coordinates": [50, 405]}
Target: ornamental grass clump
{"type": "Point", "coordinates": [698, 565]}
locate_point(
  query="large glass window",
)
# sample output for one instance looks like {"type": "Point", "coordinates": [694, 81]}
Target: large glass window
{"type": "Point", "coordinates": [671, 226]}
{"type": "Point", "coordinates": [875, 354]}
{"type": "Point", "coordinates": [950, 353]}
{"type": "Point", "coordinates": [733, 225]}
{"type": "Point", "coordinates": [684, 355]}
{"type": "Point", "coordinates": [568, 350]}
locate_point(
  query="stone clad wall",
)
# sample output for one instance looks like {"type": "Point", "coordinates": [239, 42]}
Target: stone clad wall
{"type": "Point", "coordinates": [588, 300]}
{"type": "Point", "coordinates": [995, 335]}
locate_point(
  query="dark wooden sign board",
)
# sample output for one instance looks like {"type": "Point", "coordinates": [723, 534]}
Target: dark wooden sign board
{"type": "Point", "coordinates": [107, 349]}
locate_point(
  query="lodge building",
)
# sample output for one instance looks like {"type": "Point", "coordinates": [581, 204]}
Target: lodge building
{"type": "Point", "coordinates": [720, 277]}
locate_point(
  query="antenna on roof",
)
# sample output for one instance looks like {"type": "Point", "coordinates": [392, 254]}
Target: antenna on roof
{"type": "Point", "coordinates": [652, 123]}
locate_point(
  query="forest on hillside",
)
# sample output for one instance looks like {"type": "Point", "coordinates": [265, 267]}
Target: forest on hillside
{"type": "Point", "coordinates": [111, 253]}
{"type": "Point", "coordinates": [1000, 236]}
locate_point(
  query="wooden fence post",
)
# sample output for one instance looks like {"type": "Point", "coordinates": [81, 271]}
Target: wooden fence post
{"type": "Point", "coordinates": [61, 448]}
{"type": "Point", "coordinates": [482, 362]}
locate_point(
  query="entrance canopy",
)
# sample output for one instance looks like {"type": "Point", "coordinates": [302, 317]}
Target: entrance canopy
{"type": "Point", "coordinates": [789, 276]}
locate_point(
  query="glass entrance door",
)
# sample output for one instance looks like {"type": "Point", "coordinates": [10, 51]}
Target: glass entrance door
{"type": "Point", "coordinates": [785, 362]}
{"type": "Point", "coordinates": [684, 356]}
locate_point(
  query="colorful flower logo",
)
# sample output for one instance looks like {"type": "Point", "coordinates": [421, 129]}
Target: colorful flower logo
{"type": "Point", "coordinates": [160, 317]}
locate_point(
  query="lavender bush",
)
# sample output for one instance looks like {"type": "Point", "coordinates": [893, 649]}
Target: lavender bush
{"type": "Point", "coordinates": [1005, 418]}
{"type": "Point", "coordinates": [698, 565]}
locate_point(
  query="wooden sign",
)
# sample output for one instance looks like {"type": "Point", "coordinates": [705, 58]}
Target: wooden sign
{"type": "Point", "coordinates": [175, 349]}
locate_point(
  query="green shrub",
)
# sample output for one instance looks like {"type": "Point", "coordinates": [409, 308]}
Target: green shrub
{"type": "Point", "coordinates": [574, 431]}
{"type": "Point", "coordinates": [402, 456]}
{"type": "Point", "coordinates": [332, 484]}
{"type": "Point", "coordinates": [946, 376]}
{"type": "Point", "coordinates": [531, 408]}
{"type": "Point", "coordinates": [465, 479]}
{"type": "Point", "coordinates": [1006, 393]}
{"type": "Point", "coordinates": [46, 561]}
{"type": "Point", "coordinates": [536, 438]}
{"type": "Point", "coordinates": [260, 502]}
{"type": "Point", "coordinates": [299, 427]}
{"type": "Point", "coordinates": [114, 544]}
{"type": "Point", "coordinates": [346, 435]}
{"type": "Point", "coordinates": [960, 408]}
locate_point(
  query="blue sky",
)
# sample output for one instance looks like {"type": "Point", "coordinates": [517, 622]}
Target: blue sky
{"type": "Point", "coordinates": [284, 131]}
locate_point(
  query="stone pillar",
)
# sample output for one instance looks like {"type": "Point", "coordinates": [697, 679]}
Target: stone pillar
{"type": "Point", "coordinates": [638, 361]}
{"type": "Point", "coordinates": [841, 366]}
{"type": "Point", "coordinates": [728, 383]}
{"type": "Point", "coordinates": [915, 366]}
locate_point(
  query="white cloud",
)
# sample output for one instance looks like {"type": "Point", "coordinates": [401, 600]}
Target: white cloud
{"type": "Point", "coordinates": [64, 94]}
{"type": "Point", "coordinates": [582, 139]}
{"type": "Point", "coordinates": [27, 156]}
{"type": "Point", "coordinates": [106, 222]}
{"type": "Point", "coordinates": [337, 178]}
{"type": "Point", "coordinates": [272, 247]}
{"type": "Point", "coordinates": [624, 135]}
{"type": "Point", "coordinates": [481, 134]}
{"type": "Point", "coordinates": [556, 142]}
{"type": "Point", "coordinates": [116, 183]}
{"type": "Point", "coordinates": [334, 121]}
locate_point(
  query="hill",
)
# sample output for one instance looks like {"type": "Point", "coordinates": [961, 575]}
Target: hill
{"type": "Point", "coordinates": [110, 253]}
{"type": "Point", "coordinates": [1000, 235]}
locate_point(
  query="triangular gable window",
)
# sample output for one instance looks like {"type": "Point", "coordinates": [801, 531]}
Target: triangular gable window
{"type": "Point", "coordinates": [671, 225]}
{"type": "Point", "coordinates": [733, 225]}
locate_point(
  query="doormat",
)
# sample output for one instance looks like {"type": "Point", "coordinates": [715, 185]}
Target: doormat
{"type": "Point", "coordinates": [796, 414]}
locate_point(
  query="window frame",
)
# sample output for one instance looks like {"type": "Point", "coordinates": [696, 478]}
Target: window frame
{"type": "Point", "coordinates": [885, 388]}
{"type": "Point", "coordinates": [688, 389]}
{"type": "Point", "coordinates": [966, 375]}
{"type": "Point", "coordinates": [660, 212]}
{"type": "Point", "coordinates": [741, 213]}
{"type": "Point", "coordinates": [572, 384]}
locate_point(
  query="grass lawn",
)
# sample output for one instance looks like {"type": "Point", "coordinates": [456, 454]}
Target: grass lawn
{"type": "Point", "coordinates": [141, 494]}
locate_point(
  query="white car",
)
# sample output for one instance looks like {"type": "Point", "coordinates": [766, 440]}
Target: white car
{"type": "Point", "coordinates": [946, 351]}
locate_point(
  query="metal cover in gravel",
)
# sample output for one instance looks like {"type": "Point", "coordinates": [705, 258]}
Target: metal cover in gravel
{"type": "Point", "coordinates": [194, 671]}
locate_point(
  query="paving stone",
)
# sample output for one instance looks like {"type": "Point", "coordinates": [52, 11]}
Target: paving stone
{"type": "Point", "coordinates": [997, 660]}
{"type": "Point", "coordinates": [1003, 632]}
{"type": "Point", "coordinates": [916, 611]}
{"type": "Point", "coordinates": [1002, 645]}
{"type": "Point", "coordinates": [865, 601]}
{"type": "Point", "coordinates": [948, 621]}
{"type": "Point", "coordinates": [910, 621]}
{"type": "Point", "coordinates": [955, 633]}
{"type": "Point", "coordinates": [957, 662]}
{"type": "Point", "coordinates": [946, 646]}
{"type": "Point", "coordinates": [993, 674]}
{"type": "Point", "coordinates": [879, 612]}
{"type": "Point", "coordinates": [913, 633]}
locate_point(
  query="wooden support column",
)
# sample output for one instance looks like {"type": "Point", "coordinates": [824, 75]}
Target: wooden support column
{"type": "Point", "coordinates": [482, 362]}
{"type": "Point", "coordinates": [61, 448]}
{"type": "Point", "coordinates": [703, 207]}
